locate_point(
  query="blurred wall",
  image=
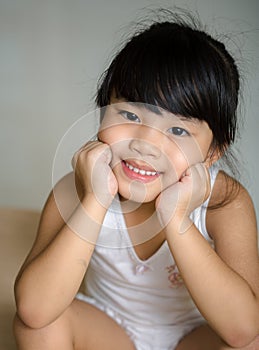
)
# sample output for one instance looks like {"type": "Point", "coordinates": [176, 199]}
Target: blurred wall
{"type": "Point", "coordinates": [52, 54]}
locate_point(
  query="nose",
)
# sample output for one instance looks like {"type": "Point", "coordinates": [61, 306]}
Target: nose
{"type": "Point", "coordinates": [145, 143]}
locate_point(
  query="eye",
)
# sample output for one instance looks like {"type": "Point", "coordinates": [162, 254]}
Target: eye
{"type": "Point", "coordinates": [178, 131]}
{"type": "Point", "coordinates": [130, 116]}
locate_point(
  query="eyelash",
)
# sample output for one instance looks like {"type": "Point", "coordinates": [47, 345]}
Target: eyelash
{"type": "Point", "coordinates": [179, 131]}
{"type": "Point", "coordinates": [176, 131]}
{"type": "Point", "coordinates": [128, 115]}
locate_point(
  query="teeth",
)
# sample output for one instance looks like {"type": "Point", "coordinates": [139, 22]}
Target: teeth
{"type": "Point", "coordinates": [140, 171]}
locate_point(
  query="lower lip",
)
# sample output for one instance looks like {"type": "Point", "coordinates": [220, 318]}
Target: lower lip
{"type": "Point", "coordinates": [137, 176]}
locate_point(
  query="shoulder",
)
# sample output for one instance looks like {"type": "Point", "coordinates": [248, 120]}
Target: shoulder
{"type": "Point", "coordinates": [227, 191]}
{"type": "Point", "coordinates": [224, 189]}
{"type": "Point", "coordinates": [230, 207]}
{"type": "Point", "coordinates": [233, 228]}
{"type": "Point", "coordinates": [60, 204]}
{"type": "Point", "coordinates": [65, 195]}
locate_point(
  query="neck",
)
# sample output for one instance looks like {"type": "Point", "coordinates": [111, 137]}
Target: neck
{"type": "Point", "coordinates": [129, 206]}
{"type": "Point", "coordinates": [141, 221]}
{"type": "Point", "coordinates": [137, 213]}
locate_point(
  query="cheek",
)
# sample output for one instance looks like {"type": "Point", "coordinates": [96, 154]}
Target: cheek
{"type": "Point", "coordinates": [118, 142]}
{"type": "Point", "coordinates": [186, 154]}
{"type": "Point", "coordinates": [181, 157]}
{"type": "Point", "coordinates": [108, 135]}
{"type": "Point", "coordinates": [112, 134]}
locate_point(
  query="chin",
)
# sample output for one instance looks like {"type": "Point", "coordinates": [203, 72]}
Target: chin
{"type": "Point", "coordinates": [137, 195]}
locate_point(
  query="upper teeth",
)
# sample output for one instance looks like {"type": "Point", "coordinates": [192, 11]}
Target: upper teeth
{"type": "Point", "coordinates": [141, 171]}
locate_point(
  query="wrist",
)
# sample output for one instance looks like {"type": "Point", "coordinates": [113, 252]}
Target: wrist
{"type": "Point", "coordinates": [179, 225]}
{"type": "Point", "coordinates": [103, 200]}
{"type": "Point", "coordinates": [178, 220]}
{"type": "Point", "coordinates": [93, 207]}
{"type": "Point", "coordinates": [87, 219]}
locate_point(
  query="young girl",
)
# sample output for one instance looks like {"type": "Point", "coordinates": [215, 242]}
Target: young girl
{"type": "Point", "coordinates": [164, 241]}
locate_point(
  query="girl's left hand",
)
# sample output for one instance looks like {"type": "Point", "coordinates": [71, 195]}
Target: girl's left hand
{"type": "Point", "coordinates": [176, 202]}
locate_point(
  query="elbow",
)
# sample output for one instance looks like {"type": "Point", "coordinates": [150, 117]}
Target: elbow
{"type": "Point", "coordinates": [240, 337]}
{"type": "Point", "coordinates": [241, 329]}
{"type": "Point", "coordinates": [33, 315]}
{"type": "Point", "coordinates": [30, 310]}
{"type": "Point", "coordinates": [30, 316]}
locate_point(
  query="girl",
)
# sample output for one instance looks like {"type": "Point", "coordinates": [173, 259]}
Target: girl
{"type": "Point", "coordinates": [164, 241]}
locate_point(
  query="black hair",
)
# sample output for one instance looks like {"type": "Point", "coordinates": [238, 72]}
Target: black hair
{"type": "Point", "coordinates": [180, 68]}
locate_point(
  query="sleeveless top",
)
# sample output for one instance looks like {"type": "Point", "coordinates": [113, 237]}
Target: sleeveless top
{"type": "Point", "coordinates": [149, 292]}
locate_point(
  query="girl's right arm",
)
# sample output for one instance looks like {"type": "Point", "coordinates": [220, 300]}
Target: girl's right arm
{"type": "Point", "coordinates": [53, 271]}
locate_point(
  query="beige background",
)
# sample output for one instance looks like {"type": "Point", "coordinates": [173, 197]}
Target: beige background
{"type": "Point", "coordinates": [52, 53]}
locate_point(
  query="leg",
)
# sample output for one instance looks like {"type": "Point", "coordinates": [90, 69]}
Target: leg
{"type": "Point", "coordinates": [57, 335]}
{"type": "Point", "coordinates": [80, 327]}
{"type": "Point", "coordinates": [204, 338]}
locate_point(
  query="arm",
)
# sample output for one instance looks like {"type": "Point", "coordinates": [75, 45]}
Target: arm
{"type": "Point", "coordinates": [55, 267]}
{"type": "Point", "coordinates": [224, 283]}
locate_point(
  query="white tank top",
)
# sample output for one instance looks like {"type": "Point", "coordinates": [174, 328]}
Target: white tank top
{"type": "Point", "coordinates": [144, 292]}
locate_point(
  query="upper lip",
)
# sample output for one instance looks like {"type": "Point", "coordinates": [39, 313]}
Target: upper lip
{"type": "Point", "coordinates": [140, 165]}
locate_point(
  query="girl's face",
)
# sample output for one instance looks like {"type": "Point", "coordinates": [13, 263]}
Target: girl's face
{"type": "Point", "coordinates": [151, 151]}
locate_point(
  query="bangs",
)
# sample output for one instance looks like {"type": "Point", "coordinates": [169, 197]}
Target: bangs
{"type": "Point", "coordinates": [173, 80]}
{"type": "Point", "coordinates": [178, 69]}
{"type": "Point", "coordinates": [173, 77]}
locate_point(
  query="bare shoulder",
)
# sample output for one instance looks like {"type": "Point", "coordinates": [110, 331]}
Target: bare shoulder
{"type": "Point", "coordinates": [228, 199]}
{"type": "Point", "coordinates": [230, 208]}
{"type": "Point", "coordinates": [233, 227]}
{"type": "Point", "coordinates": [60, 204]}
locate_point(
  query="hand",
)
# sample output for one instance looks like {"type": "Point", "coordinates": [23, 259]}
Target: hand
{"type": "Point", "coordinates": [177, 201]}
{"type": "Point", "coordinates": [91, 165]}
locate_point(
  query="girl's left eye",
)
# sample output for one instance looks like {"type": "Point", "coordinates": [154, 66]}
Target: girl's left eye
{"type": "Point", "coordinates": [130, 116]}
{"type": "Point", "coordinates": [178, 131]}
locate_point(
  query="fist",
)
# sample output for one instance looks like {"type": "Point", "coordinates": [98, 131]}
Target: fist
{"type": "Point", "coordinates": [91, 164]}
{"type": "Point", "coordinates": [177, 201]}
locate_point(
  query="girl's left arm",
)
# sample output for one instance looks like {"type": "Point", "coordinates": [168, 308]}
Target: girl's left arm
{"type": "Point", "coordinates": [224, 283]}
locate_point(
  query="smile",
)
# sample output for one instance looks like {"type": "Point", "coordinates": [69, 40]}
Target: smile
{"type": "Point", "coordinates": [141, 171]}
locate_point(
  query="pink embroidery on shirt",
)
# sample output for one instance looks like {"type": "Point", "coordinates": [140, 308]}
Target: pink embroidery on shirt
{"type": "Point", "coordinates": [174, 276]}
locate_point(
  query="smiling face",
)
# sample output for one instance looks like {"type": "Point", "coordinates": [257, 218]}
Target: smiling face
{"type": "Point", "coordinates": [151, 148]}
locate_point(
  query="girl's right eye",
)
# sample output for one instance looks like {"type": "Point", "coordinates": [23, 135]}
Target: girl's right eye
{"type": "Point", "coordinates": [130, 116]}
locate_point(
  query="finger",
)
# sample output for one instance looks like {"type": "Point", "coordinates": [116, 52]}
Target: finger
{"type": "Point", "coordinates": [203, 170]}
{"type": "Point", "coordinates": [86, 147]}
{"type": "Point", "coordinates": [89, 145]}
{"type": "Point", "coordinates": [204, 175]}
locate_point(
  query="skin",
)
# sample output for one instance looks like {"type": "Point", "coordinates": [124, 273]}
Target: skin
{"type": "Point", "coordinates": [136, 141]}
{"type": "Point", "coordinates": [223, 283]}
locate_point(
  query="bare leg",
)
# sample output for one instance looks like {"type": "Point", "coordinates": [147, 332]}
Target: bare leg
{"type": "Point", "coordinates": [204, 338]}
{"type": "Point", "coordinates": [57, 335]}
{"type": "Point", "coordinates": [81, 327]}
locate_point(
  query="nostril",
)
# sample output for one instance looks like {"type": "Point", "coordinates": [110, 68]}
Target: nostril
{"type": "Point", "coordinates": [144, 148]}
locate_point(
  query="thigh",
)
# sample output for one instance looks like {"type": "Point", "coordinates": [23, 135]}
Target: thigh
{"type": "Point", "coordinates": [199, 339]}
{"type": "Point", "coordinates": [81, 327]}
{"type": "Point", "coordinates": [56, 335]}
{"type": "Point", "coordinates": [204, 337]}
{"type": "Point", "coordinates": [94, 330]}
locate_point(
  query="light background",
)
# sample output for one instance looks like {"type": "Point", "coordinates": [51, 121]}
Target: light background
{"type": "Point", "coordinates": [52, 54]}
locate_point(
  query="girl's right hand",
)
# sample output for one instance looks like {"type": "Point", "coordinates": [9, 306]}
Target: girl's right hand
{"type": "Point", "coordinates": [91, 164]}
